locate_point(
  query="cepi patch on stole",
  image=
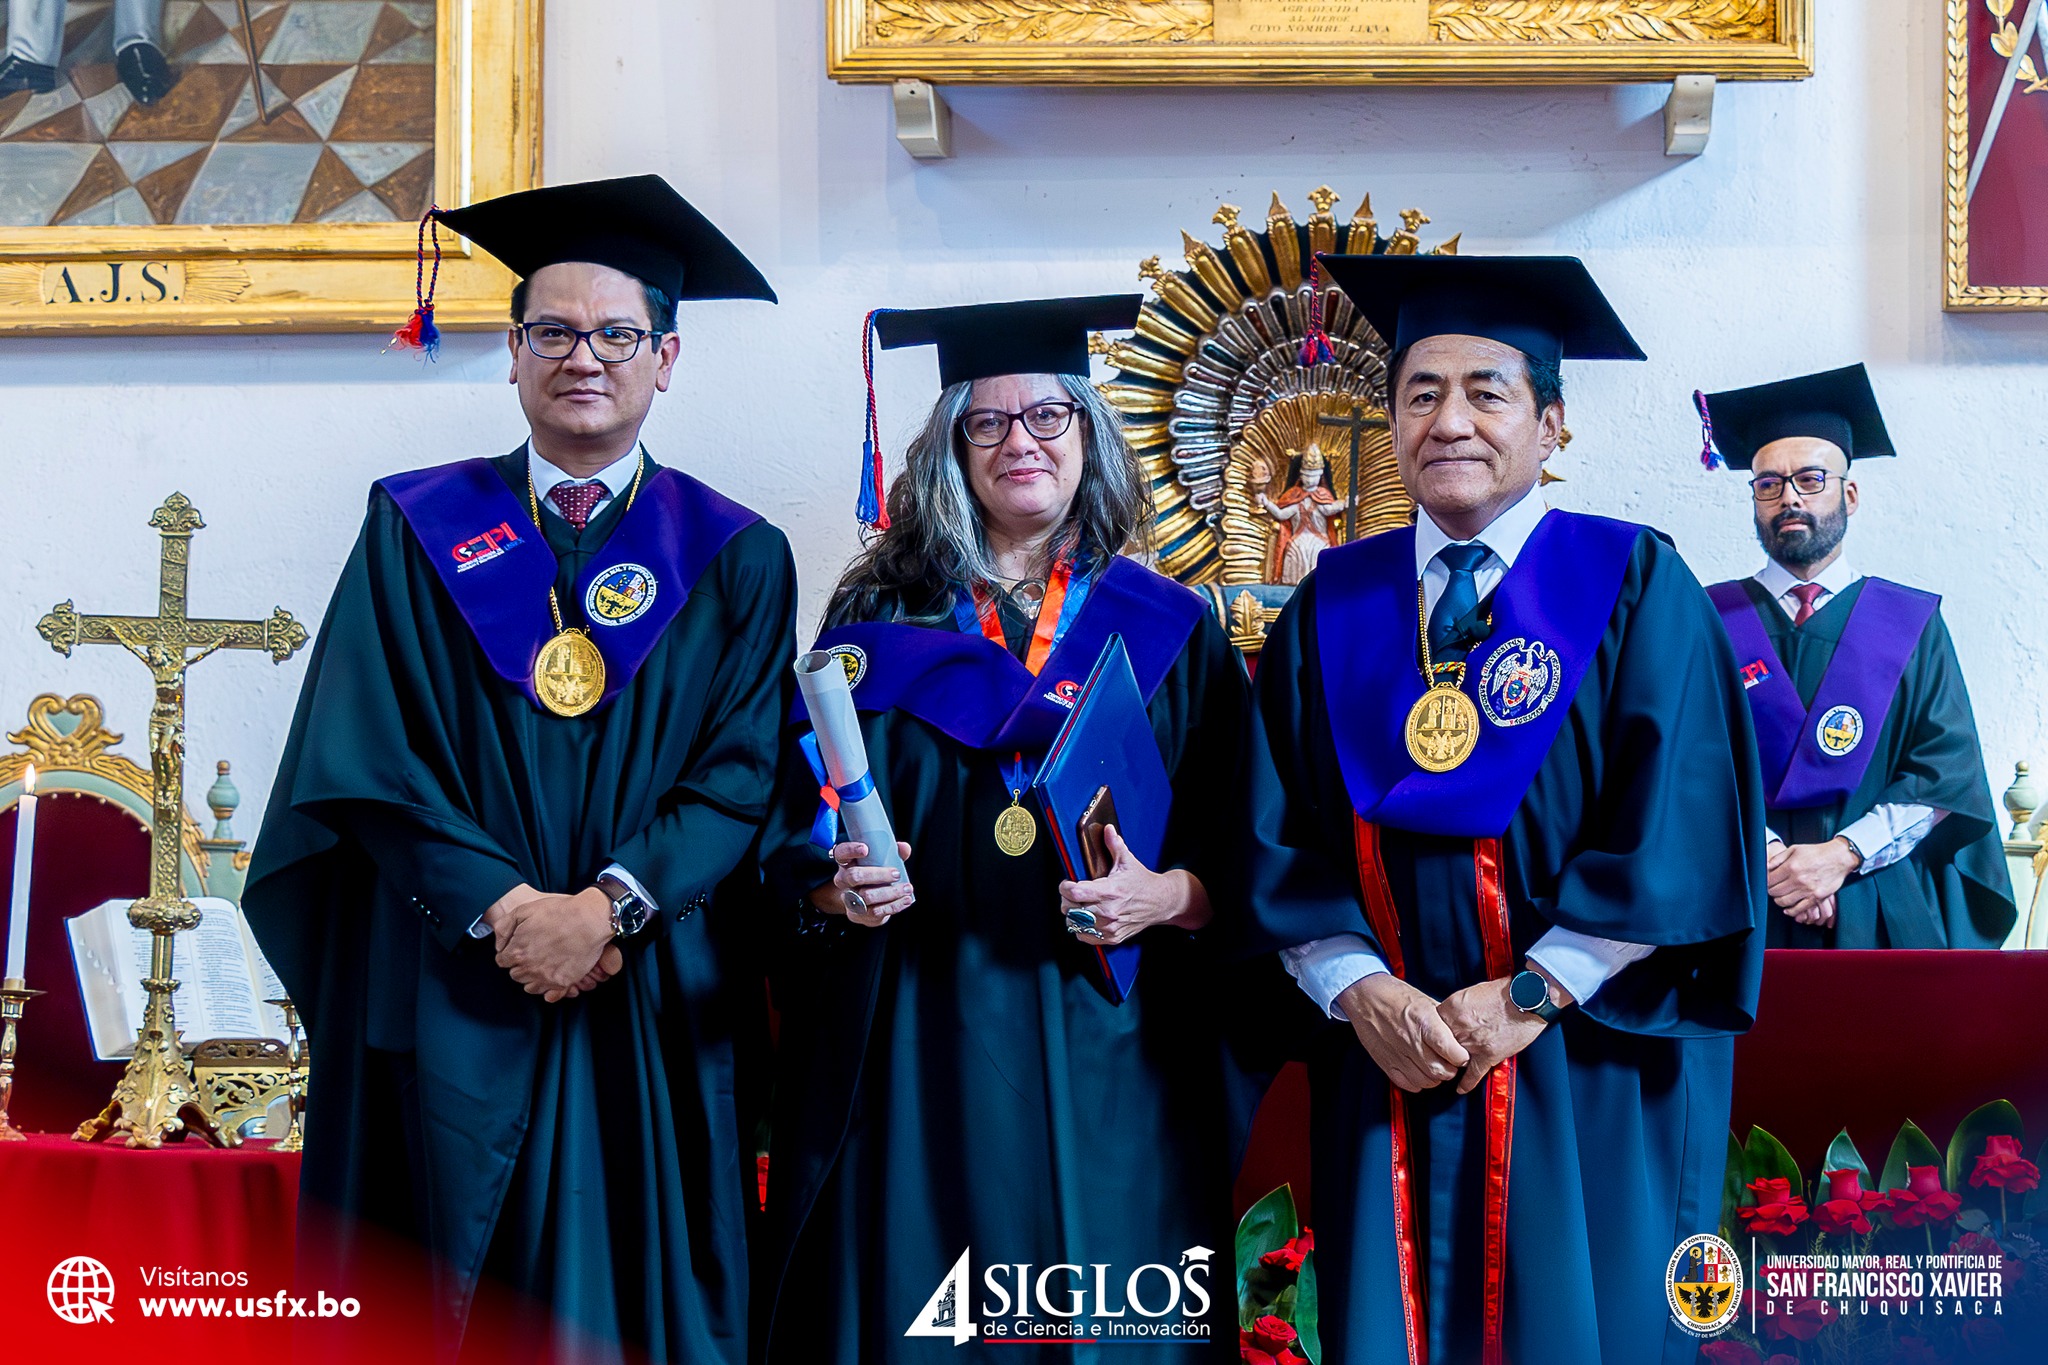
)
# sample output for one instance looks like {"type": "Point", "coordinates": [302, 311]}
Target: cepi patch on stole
{"type": "Point", "coordinates": [620, 594]}
{"type": "Point", "coordinates": [1703, 1285]}
{"type": "Point", "coordinates": [1839, 731]}
{"type": "Point", "coordinates": [853, 659]}
{"type": "Point", "coordinates": [1520, 680]}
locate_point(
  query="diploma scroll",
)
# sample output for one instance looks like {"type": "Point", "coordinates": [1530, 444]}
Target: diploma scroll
{"type": "Point", "coordinates": [821, 677]}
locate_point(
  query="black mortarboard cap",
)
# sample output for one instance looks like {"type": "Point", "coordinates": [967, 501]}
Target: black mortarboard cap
{"type": "Point", "coordinates": [1033, 336]}
{"type": "Point", "coordinates": [637, 224]}
{"type": "Point", "coordinates": [1837, 406]}
{"type": "Point", "coordinates": [1546, 307]}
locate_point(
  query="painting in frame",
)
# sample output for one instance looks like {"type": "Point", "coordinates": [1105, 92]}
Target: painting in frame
{"type": "Point", "coordinates": [270, 174]}
{"type": "Point", "coordinates": [1307, 42]}
{"type": "Point", "coordinates": [1996, 163]}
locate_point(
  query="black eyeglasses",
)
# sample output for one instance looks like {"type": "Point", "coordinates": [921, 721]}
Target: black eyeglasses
{"type": "Point", "coordinates": [1807, 482]}
{"type": "Point", "coordinates": [611, 345]}
{"type": "Point", "coordinates": [991, 426]}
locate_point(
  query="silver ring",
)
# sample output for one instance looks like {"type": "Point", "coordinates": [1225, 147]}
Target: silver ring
{"type": "Point", "coordinates": [1079, 921]}
{"type": "Point", "coordinates": [855, 903]}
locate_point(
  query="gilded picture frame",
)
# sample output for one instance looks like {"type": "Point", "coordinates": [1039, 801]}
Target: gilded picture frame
{"type": "Point", "coordinates": [1996, 88]}
{"type": "Point", "coordinates": [1142, 42]}
{"type": "Point", "coordinates": [102, 270]}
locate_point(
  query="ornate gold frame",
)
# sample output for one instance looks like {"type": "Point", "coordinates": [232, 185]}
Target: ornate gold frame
{"type": "Point", "coordinates": [331, 277]}
{"type": "Point", "coordinates": [1957, 293]}
{"type": "Point", "coordinates": [1164, 42]}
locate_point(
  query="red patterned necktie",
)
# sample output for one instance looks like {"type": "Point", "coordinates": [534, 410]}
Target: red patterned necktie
{"type": "Point", "coordinates": [1806, 593]}
{"type": "Point", "coordinates": [575, 500]}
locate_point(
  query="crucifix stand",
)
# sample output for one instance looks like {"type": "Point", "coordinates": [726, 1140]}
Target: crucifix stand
{"type": "Point", "coordinates": [156, 1097]}
{"type": "Point", "coordinates": [1358, 424]}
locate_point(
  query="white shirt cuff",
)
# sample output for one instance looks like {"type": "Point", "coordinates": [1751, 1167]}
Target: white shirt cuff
{"type": "Point", "coordinates": [1327, 967]}
{"type": "Point", "coordinates": [1887, 833]}
{"type": "Point", "coordinates": [481, 930]}
{"type": "Point", "coordinates": [1581, 963]}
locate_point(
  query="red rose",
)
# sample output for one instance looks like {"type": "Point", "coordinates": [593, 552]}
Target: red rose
{"type": "Point", "coordinates": [1923, 1200]}
{"type": "Point", "coordinates": [1730, 1352]}
{"type": "Point", "coordinates": [1844, 1209]}
{"type": "Point", "coordinates": [1799, 1319]}
{"type": "Point", "coordinates": [1272, 1335]}
{"type": "Point", "coordinates": [1248, 1355]}
{"type": "Point", "coordinates": [1775, 1210]}
{"type": "Point", "coordinates": [1290, 1254]}
{"type": "Point", "coordinates": [1289, 1358]}
{"type": "Point", "coordinates": [1975, 1244]}
{"type": "Point", "coordinates": [2002, 1167]}
{"type": "Point", "coordinates": [761, 1177]}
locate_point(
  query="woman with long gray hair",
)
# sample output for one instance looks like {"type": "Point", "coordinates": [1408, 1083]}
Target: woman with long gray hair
{"type": "Point", "coordinates": [979, 1054]}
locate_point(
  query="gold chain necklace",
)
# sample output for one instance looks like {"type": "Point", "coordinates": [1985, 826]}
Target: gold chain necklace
{"type": "Point", "coordinates": [1443, 725]}
{"type": "Point", "coordinates": [568, 673]}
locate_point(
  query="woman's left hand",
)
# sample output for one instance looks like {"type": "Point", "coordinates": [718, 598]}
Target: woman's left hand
{"type": "Point", "coordinates": [1133, 898]}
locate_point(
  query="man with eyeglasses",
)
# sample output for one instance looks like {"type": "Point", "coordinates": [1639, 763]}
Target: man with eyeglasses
{"type": "Point", "coordinates": [539, 731]}
{"type": "Point", "coordinates": [1882, 827]}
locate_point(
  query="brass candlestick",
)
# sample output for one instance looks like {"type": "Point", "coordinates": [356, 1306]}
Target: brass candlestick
{"type": "Point", "coordinates": [13, 995]}
{"type": "Point", "coordinates": [294, 1138]}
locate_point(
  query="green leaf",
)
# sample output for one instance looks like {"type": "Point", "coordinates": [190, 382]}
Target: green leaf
{"type": "Point", "coordinates": [1973, 1220]}
{"type": "Point", "coordinates": [1731, 1188]}
{"type": "Point", "coordinates": [1997, 1118]}
{"type": "Point", "coordinates": [1266, 1226]}
{"type": "Point", "coordinates": [1307, 1311]}
{"type": "Point", "coordinates": [1765, 1158]}
{"type": "Point", "coordinates": [1842, 1156]}
{"type": "Point", "coordinates": [1911, 1147]}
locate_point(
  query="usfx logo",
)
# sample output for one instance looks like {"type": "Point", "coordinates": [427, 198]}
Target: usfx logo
{"type": "Point", "coordinates": [81, 1290]}
{"type": "Point", "coordinates": [943, 1315]}
{"type": "Point", "coordinates": [1071, 1302]}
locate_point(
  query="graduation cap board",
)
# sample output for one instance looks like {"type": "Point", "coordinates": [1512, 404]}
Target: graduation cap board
{"type": "Point", "coordinates": [1837, 406]}
{"type": "Point", "coordinates": [637, 224]}
{"type": "Point", "coordinates": [981, 341]}
{"type": "Point", "coordinates": [1546, 307]}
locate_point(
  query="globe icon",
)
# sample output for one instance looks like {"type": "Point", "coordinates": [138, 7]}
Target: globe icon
{"type": "Point", "coordinates": [81, 1290]}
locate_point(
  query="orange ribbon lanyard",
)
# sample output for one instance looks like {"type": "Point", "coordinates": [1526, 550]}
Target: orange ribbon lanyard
{"type": "Point", "coordinates": [1047, 626]}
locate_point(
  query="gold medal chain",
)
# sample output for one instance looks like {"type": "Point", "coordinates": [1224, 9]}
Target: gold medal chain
{"type": "Point", "coordinates": [533, 504]}
{"type": "Point", "coordinates": [1428, 665]}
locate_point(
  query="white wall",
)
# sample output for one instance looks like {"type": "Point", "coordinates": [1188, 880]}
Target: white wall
{"type": "Point", "coordinates": [1808, 236]}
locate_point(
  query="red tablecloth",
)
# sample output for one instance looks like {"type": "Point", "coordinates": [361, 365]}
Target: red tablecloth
{"type": "Point", "coordinates": [160, 1223]}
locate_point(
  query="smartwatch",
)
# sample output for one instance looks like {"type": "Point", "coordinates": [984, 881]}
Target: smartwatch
{"type": "Point", "coordinates": [630, 912]}
{"type": "Point", "coordinates": [1530, 993]}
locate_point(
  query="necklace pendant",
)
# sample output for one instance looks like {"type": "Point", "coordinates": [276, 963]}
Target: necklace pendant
{"type": "Point", "coordinates": [1016, 830]}
{"type": "Point", "coordinates": [1442, 729]}
{"type": "Point", "coordinates": [568, 674]}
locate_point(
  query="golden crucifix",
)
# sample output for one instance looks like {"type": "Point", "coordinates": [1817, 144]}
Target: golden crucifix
{"type": "Point", "coordinates": [157, 1097]}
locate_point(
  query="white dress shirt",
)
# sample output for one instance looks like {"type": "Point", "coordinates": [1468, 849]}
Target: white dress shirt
{"type": "Point", "coordinates": [1326, 967]}
{"type": "Point", "coordinates": [1888, 832]}
{"type": "Point", "coordinates": [616, 478]}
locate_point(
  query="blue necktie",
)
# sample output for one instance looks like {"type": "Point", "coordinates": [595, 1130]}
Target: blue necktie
{"type": "Point", "coordinates": [1461, 596]}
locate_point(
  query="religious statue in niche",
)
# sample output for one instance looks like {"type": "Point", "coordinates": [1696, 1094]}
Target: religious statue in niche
{"type": "Point", "coordinates": [1258, 461]}
{"type": "Point", "coordinates": [1303, 514]}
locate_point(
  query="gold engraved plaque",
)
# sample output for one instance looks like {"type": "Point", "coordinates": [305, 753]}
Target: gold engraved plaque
{"type": "Point", "coordinates": [1443, 728]}
{"type": "Point", "coordinates": [1336, 22]}
{"type": "Point", "coordinates": [568, 674]}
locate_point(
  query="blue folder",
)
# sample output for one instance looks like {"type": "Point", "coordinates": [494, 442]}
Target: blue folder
{"type": "Point", "coordinates": [1107, 742]}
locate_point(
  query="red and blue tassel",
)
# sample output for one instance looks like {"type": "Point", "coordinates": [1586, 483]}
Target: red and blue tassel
{"type": "Point", "coordinates": [420, 333]}
{"type": "Point", "coordinates": [871, 508]}
{"type": "Point", "coordinates": [1710, 458]}
{"type": "Point", "coordinates": [1315, 347]}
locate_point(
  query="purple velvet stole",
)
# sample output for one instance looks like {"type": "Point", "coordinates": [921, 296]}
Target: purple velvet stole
{"type": "Point", "coordinates": [1549, 614]}
{"type": "Point", "coordinates": [1815, 755]}
{"type": "Point", "coordinates": [976, 692]}
{"type": "Point", "coordinates": [496, 564]}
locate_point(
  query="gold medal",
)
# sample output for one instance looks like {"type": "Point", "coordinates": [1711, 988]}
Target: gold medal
{"type": "Point", "coordinates": [1443, 725]}
{"type": "Point", "coordinates": [1016, 830]}
{"type": "Point", "coordinates": [568, 674]}
{"type": "Point", "coordinates": [1443, 729]}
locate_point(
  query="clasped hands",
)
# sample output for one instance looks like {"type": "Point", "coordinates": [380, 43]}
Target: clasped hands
{"type": "Point", "coordinates": [556, 947]}
{"type": "Point", "coordinates": [1803, 878]}
{"type": "Point", "coordinates": [1421, 1042]}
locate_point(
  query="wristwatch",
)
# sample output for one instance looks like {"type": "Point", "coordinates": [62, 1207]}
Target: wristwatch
{"type": "Point", "coordinates": [629, 911]}
{"type": "Point", "coordinates": [1530, 993]}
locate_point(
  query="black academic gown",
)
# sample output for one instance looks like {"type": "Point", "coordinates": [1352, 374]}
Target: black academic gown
{"type": "Point", "coordinates": [1644, 823]}
{"type": "Point", "coordinates": [1952, 890]}
{"type": "Point", "coordinates": [583, 1159]}
{"type": "Point", "coordinates": [957, 1079]}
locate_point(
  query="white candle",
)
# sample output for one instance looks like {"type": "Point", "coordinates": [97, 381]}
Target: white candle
{"type": "Point", "coordinates": [24, 854]}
